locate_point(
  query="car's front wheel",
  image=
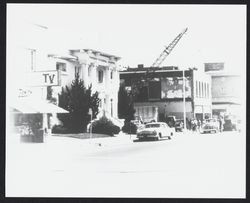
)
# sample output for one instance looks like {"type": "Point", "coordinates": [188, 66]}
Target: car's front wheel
{"type": "Point", "coordinates": [159, 135]}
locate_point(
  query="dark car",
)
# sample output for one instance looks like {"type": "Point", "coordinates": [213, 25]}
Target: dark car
{"type": "Point", "coordinates": [229, 125]}
{"type": "Point", "coordinates": [179, 125]}
{"type": "Point", "coordinates": [170, 120]}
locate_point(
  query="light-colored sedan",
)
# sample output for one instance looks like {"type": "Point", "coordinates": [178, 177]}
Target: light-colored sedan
{"type": "Point", "coordinates": [156, 130]}
{"type": "Point", "coordinates": [210, 128]}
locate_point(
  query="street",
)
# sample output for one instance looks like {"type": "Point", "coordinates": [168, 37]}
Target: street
{"type": "Point", "coordinates": [190, 165]}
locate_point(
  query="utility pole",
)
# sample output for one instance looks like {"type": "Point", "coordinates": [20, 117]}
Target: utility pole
{"type": "Point", "coordinates": [184, 100]}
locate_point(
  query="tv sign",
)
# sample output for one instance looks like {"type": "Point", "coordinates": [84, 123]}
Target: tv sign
{"type": "Point", "coordinates": [44, 78]}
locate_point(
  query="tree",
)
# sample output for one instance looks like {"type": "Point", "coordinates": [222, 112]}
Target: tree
{"type": "Point", "coordinates": [125, 105]}
{"type": "Point", "coordinates": [77, 100]}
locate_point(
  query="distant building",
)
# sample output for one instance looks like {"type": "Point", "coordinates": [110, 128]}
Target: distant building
{"type": "Point", "coordinates": [164, 91]}
{"type": "Point", "coordinates": [226, 90]}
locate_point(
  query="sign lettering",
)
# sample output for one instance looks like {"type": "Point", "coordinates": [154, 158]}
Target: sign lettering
{"type": "Point", "coordinates": [43, 78]}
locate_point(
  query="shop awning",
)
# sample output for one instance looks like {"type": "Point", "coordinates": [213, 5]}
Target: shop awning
{"type": "Point", "coordinates": [35, 106]}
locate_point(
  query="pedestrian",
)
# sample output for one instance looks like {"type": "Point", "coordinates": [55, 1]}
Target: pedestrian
{"type": "Point", "coordinates": [199, 125]}
{"type": "Point", "coordinates": [195, 125]}
{"type": "Point", "coordinates": [220, 124]}
{"type": "Point", "coordinates": [188, 123]}
{"type": "Point", "coordinates": [192, 125]}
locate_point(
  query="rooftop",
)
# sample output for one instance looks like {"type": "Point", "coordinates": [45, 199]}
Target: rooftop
{"type": "Point", "coordinates": [222, 73]}
{"type": "Point", "coordinates": [97, 52]}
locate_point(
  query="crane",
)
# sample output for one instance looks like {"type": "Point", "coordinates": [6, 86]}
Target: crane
{"type": "Point", "coordinates": [168, 49]}
{"type": "Point", "coordinates": [144, 80]}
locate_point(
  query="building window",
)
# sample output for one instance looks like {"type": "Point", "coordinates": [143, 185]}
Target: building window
{"type": "Point", "coordinates": [196, 90]}
{"type": "Point", "coordinates": [100, 104]}
{"type": "Point", "coordinates": [61, 66]}
{"type": "Point", "coordinates": [202, 90]}
{"type": "Point", "coordinates": [207, 90]}
{"type": "Point", "coordinates": [199, 89]}
{"type": "Point", "coordinates": [89, 69]}
{"type": "Point", "coordinates": [111, 110]}
{"type": "Point", "coordinates": [33, 58]}
{"type": "Point", "coordinates": [77, 70]}
{"type": "Point", "coordinates": [100, 76]}
{"type": "Point", "coordinates": [205, 86]}
{"type": "Point", "coordinates": [111, 75]}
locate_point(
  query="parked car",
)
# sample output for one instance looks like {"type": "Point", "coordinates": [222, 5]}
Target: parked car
{"type": "Point", "coordinates": [179, 125]}
{"type": "Point", "coordinates": [210, 128]}
{"type": "Point", "coordinates": [156, 130]}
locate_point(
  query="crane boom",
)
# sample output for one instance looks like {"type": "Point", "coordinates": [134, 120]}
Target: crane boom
{"type": "Point", "coordinates": [168, 49]}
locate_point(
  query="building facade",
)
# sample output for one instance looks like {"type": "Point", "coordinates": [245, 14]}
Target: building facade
{"type": "Point", "coordinates": [164, 91]}
{"type": "Point", "coordinates": [226, 90]}
{"type": "Point", "coordinates": [35, 55]}
{"type": "Point", "coordinates": [102, 72]}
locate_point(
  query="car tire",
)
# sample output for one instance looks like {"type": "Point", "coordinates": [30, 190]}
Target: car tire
{"type": "Point", "coordinates": [160, 136]}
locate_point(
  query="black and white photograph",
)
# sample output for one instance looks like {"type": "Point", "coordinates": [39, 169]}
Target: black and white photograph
{"type": "Point", "coordinates": [126, 100]}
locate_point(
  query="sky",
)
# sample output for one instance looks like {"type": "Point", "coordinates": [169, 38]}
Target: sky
{"type": "Point", "coordinates": [139, 33]}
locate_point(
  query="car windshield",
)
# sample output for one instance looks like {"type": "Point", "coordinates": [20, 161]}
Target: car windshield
{"type": "Point", "coordinates": [154, 125]}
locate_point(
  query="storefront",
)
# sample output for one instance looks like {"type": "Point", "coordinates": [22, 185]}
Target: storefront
{"type": "Point", "coordinates": [30, 118]}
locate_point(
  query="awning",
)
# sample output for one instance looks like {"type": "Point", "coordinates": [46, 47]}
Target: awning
{"type": "Point", "coordinates": [35, 106]}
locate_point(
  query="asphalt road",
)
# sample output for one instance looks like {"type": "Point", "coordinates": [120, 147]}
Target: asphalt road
{"type": "Point", "coordinates": [189, 165]}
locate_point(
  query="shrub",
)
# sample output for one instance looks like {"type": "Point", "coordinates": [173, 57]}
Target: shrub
{"type": "Point", "coordinates": [116, 129]}
{"type": "Point", "coordinates": [105, 126]}
{"type": "Point", "coordinates": [59, 129]}
{"type": "Point", "coordinates": [129, 127]}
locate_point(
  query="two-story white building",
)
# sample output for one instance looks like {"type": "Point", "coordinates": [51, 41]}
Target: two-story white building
{"type": "Point", "coordinates": [101, 71]}
{"type": "Point", "coordinates": [32, 51]}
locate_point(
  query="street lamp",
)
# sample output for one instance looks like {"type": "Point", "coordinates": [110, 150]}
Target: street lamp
{"type": "Point", "coordinates": [184, 99]}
